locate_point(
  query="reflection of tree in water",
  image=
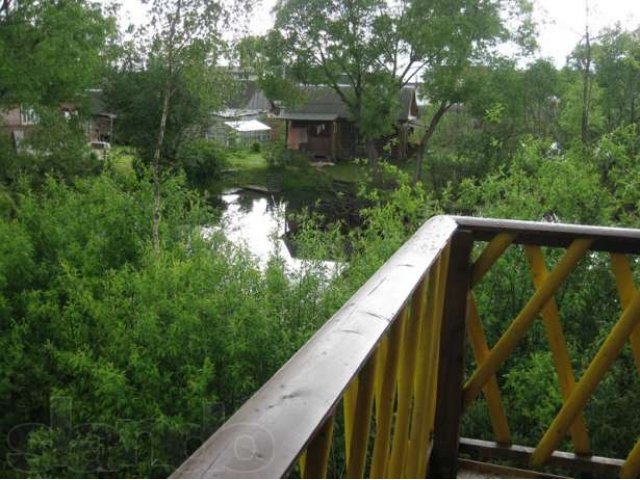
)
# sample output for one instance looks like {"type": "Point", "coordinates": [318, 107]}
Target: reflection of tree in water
{"type": "Point", "coordinates": [246, 200]}
{"type": "Point", "coordinates": [329, 202]}
{"type": "Point", "coordinates": [332, 203]}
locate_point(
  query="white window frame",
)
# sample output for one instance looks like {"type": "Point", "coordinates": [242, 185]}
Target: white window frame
{"type": "Point", "coordinates": [28, 116]}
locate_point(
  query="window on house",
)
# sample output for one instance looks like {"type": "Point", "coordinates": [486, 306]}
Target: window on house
{"type": "Point", "coordinates": [28, 116]}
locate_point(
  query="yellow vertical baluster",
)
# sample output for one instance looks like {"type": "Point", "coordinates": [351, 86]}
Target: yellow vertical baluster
{"type": "Point", "coordinates": [383, 350]}
{"type": "Point", "coordinates": [421, 377]}
{"type": "Point", "coordinates": [302, 463]}
{"type": "Point", "coordinates": [558, 347]}
{"type": "Point", "coordinates": [349, 409]}
{"type": "Point", "coordinates": [362, 420]}
{"type": "Point", "coordinates": [400, 440]}
{"type": "Point", "coordinates": [427, 370]}
{"type": "Point", "coordinates": [316, 459]}
{"type": "Point", "coordinates": [384, 414]}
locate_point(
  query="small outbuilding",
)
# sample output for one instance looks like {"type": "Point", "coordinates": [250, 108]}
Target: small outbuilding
{"type": "Point", "coordinates": [248, 131]}
{"type": "Point", "coordinates": [242, 119]}
{"type": "Point", "coordinates": [323, 126]}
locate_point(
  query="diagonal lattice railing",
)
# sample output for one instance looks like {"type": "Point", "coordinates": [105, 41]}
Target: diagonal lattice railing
{"type": "Point", "coordinates": [379, 390]}
{"type": "Point", "coordinates": [570, 419]}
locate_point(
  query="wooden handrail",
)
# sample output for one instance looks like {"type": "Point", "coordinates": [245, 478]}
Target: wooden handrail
{"type": "Point", "coordinates": [265, 437]}
{"type": "Point", "coordinates": [548, 234]}
{"type": "Point", "coordinates": [394, 352]}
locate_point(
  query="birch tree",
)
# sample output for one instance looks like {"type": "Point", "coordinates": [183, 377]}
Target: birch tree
{"type": "Point", "coordinates": [186, 45]}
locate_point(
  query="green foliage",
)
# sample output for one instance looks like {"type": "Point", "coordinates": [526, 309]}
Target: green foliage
{"type": "Point", "coordinates": [57, 146]}
{"type": "Point", "coordinates": [202, 161]}
{"type": "Point", "coordinates": [538, 185]}
{"type": "Point", "coordinates": [51, 51]}
{"type": "Point", "coordinates": [278, 155]}
{"type": "Point", "coordinates": [134, 95]}
{"type": "Point", "coordinates": [148, 350]}
{"type": "Point", "coordinates": [533, 394]}
{"type": "Point", "coordinates": [617, 58]}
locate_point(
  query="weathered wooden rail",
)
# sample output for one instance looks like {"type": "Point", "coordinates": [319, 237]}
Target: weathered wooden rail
{"type": "Point", "coordinates": [388, 366]}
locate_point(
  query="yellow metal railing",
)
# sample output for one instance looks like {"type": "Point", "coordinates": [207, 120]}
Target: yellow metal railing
{"type": "Point", "coordinates": [381, 384]}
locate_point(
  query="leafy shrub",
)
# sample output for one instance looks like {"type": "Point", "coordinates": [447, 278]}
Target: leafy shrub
{"type": "Point", "coordinates": [57, 147]}
{"type": "Point", "coordinates": [135, 353]}
{"type": "Point", "coordinates": [202, 160]}
{"type": "Point", "coordinates": [278, 155]}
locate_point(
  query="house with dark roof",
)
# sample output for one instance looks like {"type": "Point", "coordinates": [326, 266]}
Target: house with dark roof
{"type": "Point", "coordinates": [323, 126]}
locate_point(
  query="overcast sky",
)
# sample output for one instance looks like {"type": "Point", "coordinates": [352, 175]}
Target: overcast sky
{"type": "Point", "coordinates": [561, 22]}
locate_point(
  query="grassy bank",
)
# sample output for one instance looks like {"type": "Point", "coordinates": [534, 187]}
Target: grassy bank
{"type": "Point", "coordinates": [251, 168]}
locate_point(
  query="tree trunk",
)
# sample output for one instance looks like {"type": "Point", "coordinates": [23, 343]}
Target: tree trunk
{"type": "Point", "coordinates": [157, 205]}
{"type": "Point", "coordinates": [586, 84]}
{"type": "Point", "coordinates": [422, 146]}
{"type": "Point", "coordinates": [5, 5]}
{"type": "Point", "coordinates": [166, 97]}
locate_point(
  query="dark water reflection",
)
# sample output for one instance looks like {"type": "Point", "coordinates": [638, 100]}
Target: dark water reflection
{"type": "Point", "coordinates": [258, 223]}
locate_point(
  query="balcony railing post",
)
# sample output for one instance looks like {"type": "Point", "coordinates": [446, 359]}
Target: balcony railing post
{"type": "Point", "coordinates": [444, 454]}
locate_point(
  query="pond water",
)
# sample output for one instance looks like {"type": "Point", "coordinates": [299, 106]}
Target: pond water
{"type": "Point", "coordinates": [258, 223]}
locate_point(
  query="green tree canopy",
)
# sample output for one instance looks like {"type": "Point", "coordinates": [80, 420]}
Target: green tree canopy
{"type": "Point", "coordinates": [366, 50]}
{"type": "Point", "coordinates": [51, 50]}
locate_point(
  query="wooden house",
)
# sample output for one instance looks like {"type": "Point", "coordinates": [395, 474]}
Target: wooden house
{"type": "Point", "coordinates": [19, 121]}
{"type": "Point", "coordinates": [323, 126]}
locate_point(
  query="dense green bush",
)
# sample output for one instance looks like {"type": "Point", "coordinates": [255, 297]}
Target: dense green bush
{"type": "Point", "coordinates": [137, 353]}
{"type": "Point", "coordinates": [57, 146]}
{"type": "Point", "coordinates": [202, 160]}
{"type": "Point", "coordinates": [108, 346]}
{"type": "Point", "coordinates": [278, 155]}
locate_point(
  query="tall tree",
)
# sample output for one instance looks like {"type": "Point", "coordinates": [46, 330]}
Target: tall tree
{"type": "Point", "coordinates": [362, 48]}
{"type": "Point", "coordinates": [617, 61]}
{"type": "Point", "coordinates": [51, 50]}
{"type": "Point", "coordinates": [586, 78]}
{"type": "Point", "coordinates": [185, 47]}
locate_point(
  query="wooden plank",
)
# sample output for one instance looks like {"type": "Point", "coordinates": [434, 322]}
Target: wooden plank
{"type": "Point", "coordinates": [622, 240]}
{"type": "Point", "coordinates": [267, 434]}
{"type": "Point", "coordinates": [444, 454]}
{"type": "Point", "coordinates": [598, 466]}
{"type": "Point", "coordinates": [259, 189]}
{"type": "Point", "coordinates": [492, 470]}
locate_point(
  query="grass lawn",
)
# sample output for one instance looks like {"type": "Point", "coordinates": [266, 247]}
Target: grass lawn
{"type": "Point", "coordinates": [250, 168]}
{"type": "Point", "coordinates": [246, 160]}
